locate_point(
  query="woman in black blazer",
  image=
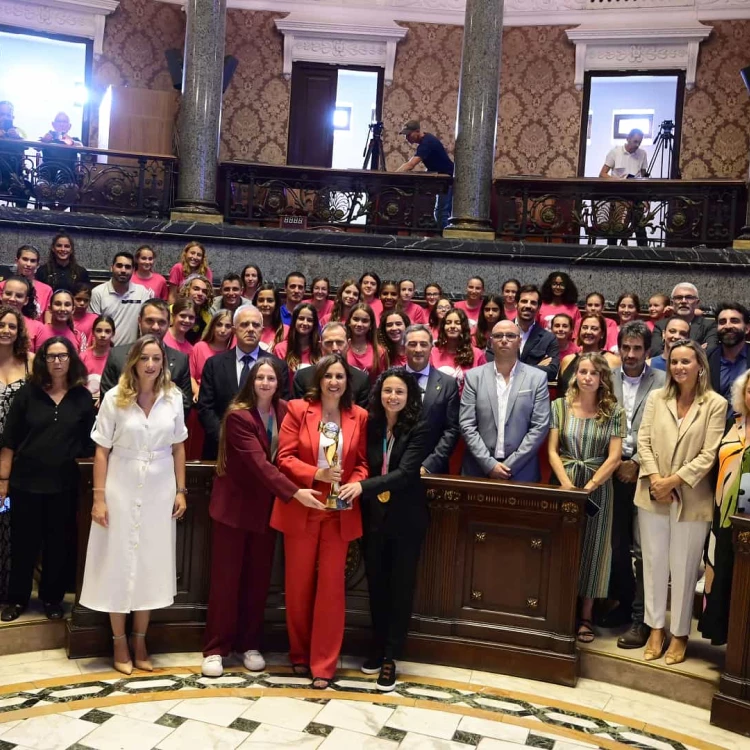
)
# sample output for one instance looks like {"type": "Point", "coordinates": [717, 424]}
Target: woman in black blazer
{"type": "Point", "coordinates": [394, 514]}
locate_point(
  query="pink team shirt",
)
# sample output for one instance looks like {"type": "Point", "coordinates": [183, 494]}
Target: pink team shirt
{"type": "Point", "coordinates": [268, 335]}
{"type": "Point", "coordinates": [281, 349]}
{"type": "Point", "coordinates": [33, 329]}
{"type": "Point", "coordinates": [156, 283]}
{"type": "Point", "coordinates": [178, 278]}
{"type": "Point", "coordinates": [85, 325]}
{"type": "Point", "coordinates": [201, 353]}
{"type": "Point", "coordinates": [324, 311]}
{"type": "Point", "coordinates": [472, 313]}
{"type": "Point", "coordinates": [548, 311]}
{"type": "Point", "coordinates": [42, 292]}
{"type": "Point", "coordinates": [445, 362]}
{"type": "Point", "coordinates": [572, 348]}
{"type": "Point", "coordinates": [95, 366]}
{"type": "Point", "coordinates": [366, 362]}
{"type": "Point", "coordinates": [416, 313]}
{"type": "Point", "coordinates": [48, 332]}
{"type": "Point", "coordinates": [185, 347]}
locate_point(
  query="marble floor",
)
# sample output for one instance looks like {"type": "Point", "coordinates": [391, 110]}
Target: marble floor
{"type": "Point", "coordinates": [48, 702]}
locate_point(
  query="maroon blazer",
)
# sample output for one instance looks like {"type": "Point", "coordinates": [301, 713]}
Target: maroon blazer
{"type": "Point", "coordinates": [299, 441]}
{"type": "Point", "coordinates": [243, 496]}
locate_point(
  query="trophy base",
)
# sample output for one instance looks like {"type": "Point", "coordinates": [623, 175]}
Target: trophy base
{"type": "Point", "coordinates": [334, 502]}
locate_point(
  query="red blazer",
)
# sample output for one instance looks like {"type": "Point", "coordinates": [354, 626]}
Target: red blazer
{"type": "Point", "coordinates": [243, 496]}
{"type": "Point", "coordinates": [299, 441]}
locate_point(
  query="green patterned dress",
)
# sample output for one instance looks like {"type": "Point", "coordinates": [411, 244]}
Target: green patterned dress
{"type": "Point", "coordinates": [583, 448]}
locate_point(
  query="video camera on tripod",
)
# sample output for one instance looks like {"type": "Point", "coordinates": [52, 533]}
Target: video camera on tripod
{"type": "Point", "coordinates": [666, 132]}
{"type": "Point", "coordinates": [374, 153]}
{"type": "Point", "coordinates": [663, 152]}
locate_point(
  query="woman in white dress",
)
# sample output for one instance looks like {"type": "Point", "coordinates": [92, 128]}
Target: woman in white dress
{"type": "Point", "coordinates": [139, 493]}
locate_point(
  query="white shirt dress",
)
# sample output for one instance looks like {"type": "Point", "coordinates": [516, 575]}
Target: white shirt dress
{"type": "Point", "coordinates": [131, 564]}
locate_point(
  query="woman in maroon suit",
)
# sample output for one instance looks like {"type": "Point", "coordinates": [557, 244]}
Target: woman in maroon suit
{"type": "Point", "coordinates": [322, 442]}
{"type": "Point", "coordinates": [241, 501]}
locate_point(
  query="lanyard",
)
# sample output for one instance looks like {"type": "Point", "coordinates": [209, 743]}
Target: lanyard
{"type": "Point", "coordinates": [269, 429]}
{"type": "Point", "coordinates": [387, 448]}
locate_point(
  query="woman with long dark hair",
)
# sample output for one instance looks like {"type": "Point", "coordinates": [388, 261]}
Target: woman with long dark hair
{"type": "Point", "coordinates": [509, 292]}
{"type": "Point", "coordinates": [268, 300]}
{"type": "Point", "coordinates": [391, 333]}
{"type": "Point", "coordinates": [453, 352]}
{"type": "Point", "coordinates": [145, 257]}
{"type": "Point", "coordinates": [48, 427]}
{"type": "Point", "coordinates": [347, 296]}
{"type": "Point", "coordinates": [61, 322]}
{"type": "Point", "coordinates": [322, 442]}
{"type": "Point", "coordinates": [252, 278]}
{"type": "Point", "coordinates": [320, 288]}
{"type": "Point", "coordinates": [394, 514]}
{"type": "Point", "coordinates": [558, 295]}
{"type": "Point", "coordinates": [490, 313]}
{"type": "Point", "coordinates": [18, 293]}
{"type": "Point", "coordinates": [139, 494]}
{"type": "Point", "coordinates": [243, 543]}
{"type": "Point", "coordinates": [364, 352]}
{"type": "Point", "coordinates": [369, 287]}
{"type": "Point", "coordinates": [95, 357]}
{"type": "Point", "coordinates": [61, 270]}
{"type": "Point", "coordinates": [301, 348]}
{"type": "Point", "coordinates": [183, 314]}
{"type": "Point", "coordinates": [441, 309]}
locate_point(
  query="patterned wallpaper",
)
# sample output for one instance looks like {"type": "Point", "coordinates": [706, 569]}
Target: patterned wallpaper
{"type": "Point", "coordinates": [715, 135]}
{"type": "Point", "coordinates": [540, 109]}
{"type": "Point", "coordinates": [256, 105]}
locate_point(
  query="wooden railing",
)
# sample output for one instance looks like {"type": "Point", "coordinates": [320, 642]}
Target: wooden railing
{"type": "Point", "coordinates": [496, 589]}
{"type": "Point", "coordinates": [673, 213]}
{"type": "Point", "coordinates": [45, 175]}
{"type": "Point", "coordinates": [330, 199]}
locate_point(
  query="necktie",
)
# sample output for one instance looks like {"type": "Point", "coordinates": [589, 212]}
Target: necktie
{"type": "Point", "coordinates": [246, 360]}
{"type": "Point", "coordinates": [422, 383]}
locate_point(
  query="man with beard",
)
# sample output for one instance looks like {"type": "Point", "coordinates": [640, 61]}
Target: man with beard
{"type": "Point", "coordinates": [685, 301]}
{"type": "Point", "coordinates": [631, 383]}
{"type": "Point", "coordinates": [729, 360]}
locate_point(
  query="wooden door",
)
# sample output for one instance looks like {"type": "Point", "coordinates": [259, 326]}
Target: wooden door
{"type": "Point", "coordinates": [312, 103]}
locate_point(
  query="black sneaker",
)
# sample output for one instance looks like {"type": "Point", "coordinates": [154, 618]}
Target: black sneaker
{"type": "Point", "coordinates": [387, 679]}
{"type": "Point", "coordinates": [636, 637]}
{"type": "Point", "coordinates": [372, 665]}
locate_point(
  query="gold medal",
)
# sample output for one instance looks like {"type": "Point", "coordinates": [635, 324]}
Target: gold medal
{"type": "Point", "coordinates": [384, 497]}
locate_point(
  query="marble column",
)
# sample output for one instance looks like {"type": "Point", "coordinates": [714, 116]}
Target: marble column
{"type": "Point", "coordinates": [200, 116]}
{"type": "Point", "coordinates": [476, 127]}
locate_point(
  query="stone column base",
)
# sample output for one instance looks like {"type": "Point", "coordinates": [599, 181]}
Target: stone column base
{"type": "Point", "coordinates": [196, 216]}
{"type": "Point", "coordinates": [459, 233]}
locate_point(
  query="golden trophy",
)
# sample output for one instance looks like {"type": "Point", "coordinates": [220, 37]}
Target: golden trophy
{"type": "Point", "coordinates": [329, 439]}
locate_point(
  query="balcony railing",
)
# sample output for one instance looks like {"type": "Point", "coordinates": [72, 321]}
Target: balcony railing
{"type": "Point", "coordinates": [56, 177]}
{"type": "Point", "coordinates": [354, 200]}
{"type": "Point", "coordinates": [671, 213]}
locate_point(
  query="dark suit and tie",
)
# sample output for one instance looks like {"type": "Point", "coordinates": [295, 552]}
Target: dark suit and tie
{"type": "Point", "coordinates": [440, 404]}
{"type": "Point", "coordinates": [220, 384]}
{"type": "Point", "coordinates": [179, 371]}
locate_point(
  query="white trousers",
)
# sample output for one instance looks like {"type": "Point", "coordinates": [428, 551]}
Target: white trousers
{"type": "Point", "coordinates": [670, 548]}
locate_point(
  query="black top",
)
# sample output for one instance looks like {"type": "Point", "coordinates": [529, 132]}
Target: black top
{"type": "Point", "coordinates": [46, 438]}
{"type": "Point", "coordinates": [433, 154]}
{"type": "Point", "coordinates": [61, 277]}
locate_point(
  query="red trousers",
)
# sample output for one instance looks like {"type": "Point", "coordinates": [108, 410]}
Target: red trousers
{"type": "Point", "coordinates": [241, 563]}
{"type": "Point", "coordinates": [314, 581]}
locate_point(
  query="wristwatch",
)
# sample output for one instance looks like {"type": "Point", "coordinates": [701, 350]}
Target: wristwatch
{"type": "Point", "coordinates": [182, 490]}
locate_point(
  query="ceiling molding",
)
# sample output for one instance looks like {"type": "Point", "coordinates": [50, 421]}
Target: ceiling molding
{"type": "Point", "coordinates": [633, 48]}
{"type": "Point", "coordinates": [81, 18]}
{"type": "Point", "coordinates": [516, 12]}
{"type": "Point", "coordinates": [345, 41]}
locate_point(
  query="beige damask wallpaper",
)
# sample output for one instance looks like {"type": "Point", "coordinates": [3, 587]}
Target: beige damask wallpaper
{"type": "Point", "coordinates": [715, 134]}
{"type": "Point", "coordinates": [540, 109]}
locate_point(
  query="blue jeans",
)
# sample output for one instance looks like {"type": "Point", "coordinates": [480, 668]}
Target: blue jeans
{"type": "Point", "coordinates": [443, 208]}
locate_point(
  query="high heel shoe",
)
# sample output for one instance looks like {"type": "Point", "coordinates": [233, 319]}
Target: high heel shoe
{"type": "Point", "coordinates": [125, 667]}
{"type": "Point", "coordinates": [673, 655]}
{"type": "Point", "coordinates": [651, 654]}
{"type": "Point", "coordinates": [144, 664]}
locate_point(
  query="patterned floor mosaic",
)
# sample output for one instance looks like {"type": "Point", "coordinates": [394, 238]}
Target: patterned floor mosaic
{"type": "Point", "coordinates": [178, 708]}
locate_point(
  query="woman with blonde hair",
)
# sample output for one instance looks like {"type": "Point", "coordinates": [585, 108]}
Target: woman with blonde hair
{"type": "Point", "coordinates": [677, 445]}
{"type": "Point", "coordinates": [585, 448]}
{"type": "Point", "coordinates": [246, 483]}
{"type": "Point", "coordinates": [192, 262]}
{"type": "Point", "coordinates": [139, 494]}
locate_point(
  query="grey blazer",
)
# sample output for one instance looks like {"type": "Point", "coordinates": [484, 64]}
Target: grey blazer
{"type": "Point", "coordinates": [526, 421]}
{"type": "Point", "coordinates": [651, 380]}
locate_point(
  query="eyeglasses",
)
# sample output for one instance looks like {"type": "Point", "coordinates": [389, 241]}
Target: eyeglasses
{"type": "Point", "coordinates": [684, 298]}
{"type": "Point", "coordinates": [501, 336]}
{"type": "Point", "coordinates": [58, 357]}
{"type": "Point", "coordinates": [443, 308]}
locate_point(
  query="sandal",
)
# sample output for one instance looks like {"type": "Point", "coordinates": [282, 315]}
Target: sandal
{"type": "Point", "coordinates": [321, 683]}
{"type": "Point", "coordinates": [585, 632]}
{"type": "Point", "coordinates": [301, 670]}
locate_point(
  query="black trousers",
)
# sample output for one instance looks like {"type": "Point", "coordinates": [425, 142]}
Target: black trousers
{"type": "Point", "coordinates": [45, 522]}
{"type": "Point", "coordinates": [625, 585]}
{"type": "Point", "coordinates": [391, 568]}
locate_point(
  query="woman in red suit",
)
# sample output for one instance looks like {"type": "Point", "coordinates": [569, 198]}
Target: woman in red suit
{"type": "Point", "coordinates": [241, 502]}
{"type": "Point", "coordinates": [316, 541]}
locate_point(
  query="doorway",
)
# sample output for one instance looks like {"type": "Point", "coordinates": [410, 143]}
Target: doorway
{"type": "Point", "coordinates": [42, 76]}
{"type": "Point", "coordinates": [614, 104]}
{"type": "Point", "coordinates": [331, 108]}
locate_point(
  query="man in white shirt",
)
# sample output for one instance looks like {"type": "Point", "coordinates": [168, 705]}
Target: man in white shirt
{"type": "Point", "coordinates": [121, 299]}
{"type": "Point", "coordinates": [624, 162]}
{"type": "Point", "coordinates": [504, 413]}
{"type": "Point", "coordinates": [631, 383]}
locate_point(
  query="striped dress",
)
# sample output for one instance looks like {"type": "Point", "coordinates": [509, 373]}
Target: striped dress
{"type": "Point", "coordinates": [583, 447]}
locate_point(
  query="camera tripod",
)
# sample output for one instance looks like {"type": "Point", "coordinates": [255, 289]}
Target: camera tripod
{"type": "Point", "coordinates": [374, 153]}
{"type": "Point", "coordinates": [664, 152]}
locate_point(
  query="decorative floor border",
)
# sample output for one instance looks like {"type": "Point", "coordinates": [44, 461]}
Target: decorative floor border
{"type": "Point", "coordinates": [536, 713]}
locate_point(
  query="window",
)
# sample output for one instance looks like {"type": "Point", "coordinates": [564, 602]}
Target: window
{"type": "Point", "coordinates": [625, 121]}
{"type": "Point", "coordinates": [342, 117]}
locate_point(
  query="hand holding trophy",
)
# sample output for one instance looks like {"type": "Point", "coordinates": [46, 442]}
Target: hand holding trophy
{"type": "Point", "coordinates": [329, 439]}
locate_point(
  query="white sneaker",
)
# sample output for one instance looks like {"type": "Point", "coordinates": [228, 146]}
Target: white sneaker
{"type": "Point", "coordinates": [212, 666]}
{"type": "Point", "coordinates": [253, 661]}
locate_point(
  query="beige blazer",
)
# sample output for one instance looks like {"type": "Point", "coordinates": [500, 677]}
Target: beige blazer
{"type": "Point", "coordinates": [688, 450]}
